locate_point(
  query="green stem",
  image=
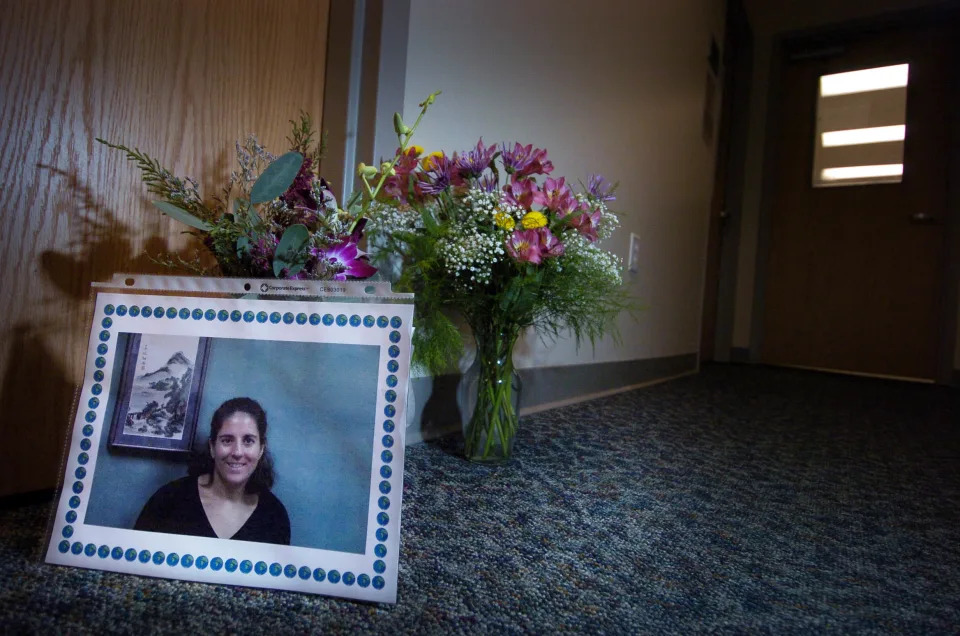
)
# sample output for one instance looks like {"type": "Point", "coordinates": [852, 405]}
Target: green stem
{"type": "Point", "coordinates": [493, 423]}
{"type": "Point", "coordinates": [404, 143]}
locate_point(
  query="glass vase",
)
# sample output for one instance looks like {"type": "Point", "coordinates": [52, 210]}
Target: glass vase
{"type": "Point", "coordinates": [490, 397]}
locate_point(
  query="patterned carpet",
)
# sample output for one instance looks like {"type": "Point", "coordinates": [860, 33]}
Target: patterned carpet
{"type": "Point", "coordinates": [742, 499]}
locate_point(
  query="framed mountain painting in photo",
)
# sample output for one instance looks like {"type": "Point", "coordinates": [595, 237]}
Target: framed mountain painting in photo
{"type": "Point", "coordinates": [160, 386]}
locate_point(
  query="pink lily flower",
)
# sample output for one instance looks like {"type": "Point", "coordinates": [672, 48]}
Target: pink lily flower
{"type": "Point", "coordinates": [524, 246]}
{"type": "Point", "coordinates": [554, 187]}
{"type": "Point", "coordinates": [558, 197]}
{"type": "Point", "coordinates": [538, 165]}
{"type": "Point", "coordinates": [397, 186]}
{"type": "Point", "coordinates": [586, 223]}
{"type": "Point", "coordinates": [523, 193]}
{"type": "Point", "coordinates": [550, 245]}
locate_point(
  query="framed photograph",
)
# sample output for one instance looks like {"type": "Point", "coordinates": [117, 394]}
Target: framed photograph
{"type": "Point", "coordinates": [296, 407]}
{"type": "Point", "coordinates": [159, 392]}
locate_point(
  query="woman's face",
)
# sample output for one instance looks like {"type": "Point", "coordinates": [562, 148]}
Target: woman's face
{"type": "Point", "coordinates": [237, 449]}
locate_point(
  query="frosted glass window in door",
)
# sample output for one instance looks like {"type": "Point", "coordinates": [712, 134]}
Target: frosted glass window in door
{"type": "Point", "coordinates": [861, 127]}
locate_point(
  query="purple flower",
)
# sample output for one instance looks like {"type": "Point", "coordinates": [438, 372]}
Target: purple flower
{"type": "Point", "coordinates": [347, 260]}
{"type": "Point", "coordinates": [518, 158]}
{"type": "Point", "coordinates": [300, 192]}
{"type": "Point", "coordinates": [524, 246]}
{"type": "Point", "coordinates": [474, 162]}
{"type": "Point", "coordinates": [261, 253]}
{"type": "Point", "coordinates": [441, 175]}
{"type": "Point", "coordinates": [600, 188]}
{"type": "Point", "coordinates": [526, 160]}
{"type": "Point", "coordinates": [488, 183]}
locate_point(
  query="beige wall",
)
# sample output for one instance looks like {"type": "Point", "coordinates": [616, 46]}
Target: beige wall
{"type": "Point", "coordinates": [614, 87]}
{"type": "Point", "coordinates": [181, 79]}
{"type": "Point", "coordinates": [767, 20]}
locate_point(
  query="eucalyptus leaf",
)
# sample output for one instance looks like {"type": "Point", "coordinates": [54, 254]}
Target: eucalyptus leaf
{"type": "Point", "coordinates": [183, 216]}
{"type": "Point", "coordinates": [294, 269]}
{"type": "Point", "coordinates": [243, 246]}
{"type": "Point", "coordinates": [276, 178]}
{"type": "Point", "coordinates": [288, 255]}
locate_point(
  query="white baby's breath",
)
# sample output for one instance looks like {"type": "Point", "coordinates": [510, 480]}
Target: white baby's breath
{"type": "Point", "coordinates": [474, 243]}
{"type": "Point", "coordinates": [581, 255]}
{"type": "Point", "coordinates": [386, 220]}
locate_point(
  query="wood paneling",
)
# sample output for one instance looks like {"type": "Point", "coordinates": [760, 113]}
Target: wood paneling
{"type": "Point", "coordinates": [180, 79]}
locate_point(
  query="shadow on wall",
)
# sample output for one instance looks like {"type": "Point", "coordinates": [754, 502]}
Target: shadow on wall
{"type": "Point", "coordinates": [101, 245]}
{"type": "Point", "coordinates": [36, 400]}
{"type": "Point", "coordinates": [38, 393]}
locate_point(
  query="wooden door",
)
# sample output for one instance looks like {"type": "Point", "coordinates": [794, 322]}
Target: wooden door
{"type": "Point", "coordinates": [181, 80]}
{"type": "Point", "coordinates": [727, 174]}
{"type": "Point", "coordinates": [724, 226]}
{"type": "Point", "coordinates": [854, 274]}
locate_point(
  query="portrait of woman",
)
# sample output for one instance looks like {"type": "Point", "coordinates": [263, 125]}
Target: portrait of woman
{"type": "Point", "coordinates": [226, 494]}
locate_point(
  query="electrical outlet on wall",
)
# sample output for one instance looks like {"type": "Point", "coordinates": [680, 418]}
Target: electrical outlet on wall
{"type": "Point", "coordinates": [633, 259]}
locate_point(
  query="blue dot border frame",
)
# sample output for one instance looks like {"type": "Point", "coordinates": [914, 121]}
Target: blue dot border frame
{"type": "Point", "coordinates": [370, 576]}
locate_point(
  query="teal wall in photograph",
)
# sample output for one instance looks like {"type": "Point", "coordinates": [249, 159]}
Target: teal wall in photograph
{"type": "Point", "coordinates": [320, 401]}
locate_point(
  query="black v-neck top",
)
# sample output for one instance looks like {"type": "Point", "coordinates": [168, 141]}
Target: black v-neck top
{"type": "Point", "coordinates": [176, 509]}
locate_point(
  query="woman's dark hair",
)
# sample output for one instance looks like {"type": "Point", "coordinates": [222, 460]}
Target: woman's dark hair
{"type": "Point", "coordinates": [263, 477]}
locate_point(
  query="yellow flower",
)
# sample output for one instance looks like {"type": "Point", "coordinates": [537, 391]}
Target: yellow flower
{"type": "Point", "coordinates": [504, 220]}
{"type": "Point", "coordinates": [428, 162]}
{"type": "Point", "coordinates": [415, 150]}
{"type": "Point", "coordinates": [533, 220]}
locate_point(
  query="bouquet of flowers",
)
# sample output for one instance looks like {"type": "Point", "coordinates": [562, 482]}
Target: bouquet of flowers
{"type": "Point", "coordinates": [275, 217]}
{"type": "Point", "coordinates": [484, 232]}
{"type": "Point", "coordinates": [491, 234]}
